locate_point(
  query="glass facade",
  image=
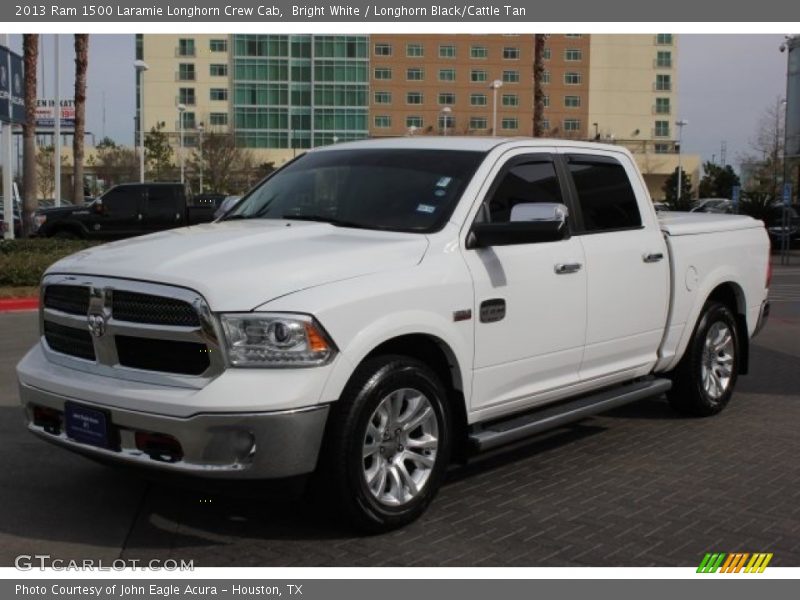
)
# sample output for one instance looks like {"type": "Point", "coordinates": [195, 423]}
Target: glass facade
{"type": "Point", "coordinates": [300, 91]}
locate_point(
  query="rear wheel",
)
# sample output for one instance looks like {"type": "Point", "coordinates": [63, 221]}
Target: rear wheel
{"type": "Point", "coordinates": [388, 444]}
{"type": "Point", "coordinates": [705, 378]}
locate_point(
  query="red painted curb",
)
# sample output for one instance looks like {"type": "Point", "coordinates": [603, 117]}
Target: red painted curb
{"type": "Point", "coordinates": [11, 304]}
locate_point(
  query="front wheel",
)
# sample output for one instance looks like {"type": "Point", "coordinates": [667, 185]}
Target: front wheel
{"type": "Point", "coordinates": [705, 378]}
{"type": "Point", "coordinates": [388, 443]}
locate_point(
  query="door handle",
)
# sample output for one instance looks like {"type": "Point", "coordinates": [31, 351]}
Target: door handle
{"type": "Point", "coordinates": [139, 216]}
{"type": "Point", "coordinates": [566, 268]}
{"type": "Point", "coordinates": [652, 257]}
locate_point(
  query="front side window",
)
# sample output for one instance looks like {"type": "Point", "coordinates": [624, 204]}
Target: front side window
{"type": "Point", "coordinates": [605, 194]}
{"type": "Point", "coordinates": [529, 182]}
{"type": "Point", "coordinates": [390, 189]}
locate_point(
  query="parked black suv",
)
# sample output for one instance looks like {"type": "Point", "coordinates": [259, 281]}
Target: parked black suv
{"type": "Point", "coordinates": [125, 210]}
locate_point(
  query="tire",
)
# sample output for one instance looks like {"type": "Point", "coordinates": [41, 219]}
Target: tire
{"type": "Point", "coordinates": [704, 380]}
{"type": "Point", "coordinates": [371, 457]}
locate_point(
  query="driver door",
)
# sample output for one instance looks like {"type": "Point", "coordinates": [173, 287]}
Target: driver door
{"type": "Point", "coordinates": [530, 298]}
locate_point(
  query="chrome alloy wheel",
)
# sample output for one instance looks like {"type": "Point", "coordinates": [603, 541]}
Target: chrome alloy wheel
{"type": "Point", "coordinates": [400, 447]}
{"type": "Point", "coordinates": [717, 362]}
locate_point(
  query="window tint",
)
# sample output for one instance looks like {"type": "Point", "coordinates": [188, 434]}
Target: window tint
{"type": "Point", "coordinates": [121, 202]}
{"type": "Point", "coordinates": [605, 194]}
{"type": "Point", "coordinates": [161, 202]}
{"type": "Point", "coordinates": [532, 181]}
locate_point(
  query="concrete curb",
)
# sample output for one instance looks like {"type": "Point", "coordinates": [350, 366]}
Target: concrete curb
{"type": "Point", "coordinates": [17, 304]}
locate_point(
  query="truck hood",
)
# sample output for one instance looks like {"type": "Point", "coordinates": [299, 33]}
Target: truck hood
{"type": "Point", "coordinates": [692, 223]}
{"type": "Point", "coordinates": [239, 265]}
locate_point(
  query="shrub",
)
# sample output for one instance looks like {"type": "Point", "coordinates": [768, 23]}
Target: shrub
{"type": "Point", "coordinates": [22, 262]}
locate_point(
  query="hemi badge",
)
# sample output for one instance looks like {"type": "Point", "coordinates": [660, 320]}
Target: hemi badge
{"type": "Point", "coordinates": [462, 315]}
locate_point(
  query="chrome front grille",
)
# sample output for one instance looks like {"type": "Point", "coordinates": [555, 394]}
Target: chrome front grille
{"type": "Point", "coordinates": [130, 330]}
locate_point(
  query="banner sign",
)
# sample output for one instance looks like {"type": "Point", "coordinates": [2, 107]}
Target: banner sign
{"type": "Point", "coordinates": [46, 114]}
{"type": "Point", "coordinates": [12, 99]}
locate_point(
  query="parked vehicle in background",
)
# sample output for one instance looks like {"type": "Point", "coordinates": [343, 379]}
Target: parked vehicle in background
{"type": "Point", "coordinates": [4, 226]}
{"type": "Point", "coordinates": [713, 205]}
{"type": "Point", "coordinates": [376, 308]}
{"type": "Point", "coordinates": [661, 206]}
{"type": "Point", "coordinates": [125, 210]}
{"type": "Point", "coordinates": [226, 205]}
{"type": "Point", "coordinates": [779, 229]}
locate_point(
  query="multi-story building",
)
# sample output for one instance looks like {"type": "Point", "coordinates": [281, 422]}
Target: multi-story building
{"type": "Point", "coordinates": [281, 93]}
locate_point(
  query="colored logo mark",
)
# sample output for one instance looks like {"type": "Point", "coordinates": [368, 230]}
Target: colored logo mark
{"type": "Point", "coordinates": [737, 562]}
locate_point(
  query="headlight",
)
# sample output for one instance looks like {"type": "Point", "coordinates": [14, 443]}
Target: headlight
{"type": "Point", "coordinates": [275, 340]}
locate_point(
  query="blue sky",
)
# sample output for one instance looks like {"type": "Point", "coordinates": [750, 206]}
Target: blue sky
{"type": "Point", "coordinates": [725, 83]}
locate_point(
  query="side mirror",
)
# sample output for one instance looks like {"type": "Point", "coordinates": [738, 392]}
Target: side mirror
{"type": "Point", "coordinates": [530, 223]}
{"type": "Point", "coordinates": [97, 207]}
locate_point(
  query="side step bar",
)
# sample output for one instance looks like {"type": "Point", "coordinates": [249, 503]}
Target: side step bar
{"type": "Point", "coordinates": [499, 433]}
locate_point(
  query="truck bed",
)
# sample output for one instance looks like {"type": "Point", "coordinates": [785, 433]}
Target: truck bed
{"type": "Point", "coordinates": [687, 223]}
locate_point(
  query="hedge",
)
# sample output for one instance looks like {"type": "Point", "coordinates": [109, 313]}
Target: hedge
{"type": "Point", "coordinates": [22, 262]}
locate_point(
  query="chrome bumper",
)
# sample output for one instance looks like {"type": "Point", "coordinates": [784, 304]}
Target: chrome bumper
{"type": "Point", "coordinates": [763, 317]}
{"type": "Point", "coordinates": [266, 445]}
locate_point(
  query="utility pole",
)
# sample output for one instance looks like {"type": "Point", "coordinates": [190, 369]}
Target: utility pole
{"type": "Point", "coordinates": [6, 147]}
{"type": "Point", "coordinates": [57, 121]}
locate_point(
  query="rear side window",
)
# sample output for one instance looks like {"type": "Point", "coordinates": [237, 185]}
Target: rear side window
{"type": "Point", "coordinates": [121, 202]}
{"type": "Point", "coordinates": [605, 194]}
{"type": "Point", "coordinates": [527, 182]}
{"type": "Point", "coordinates": [161, 202]}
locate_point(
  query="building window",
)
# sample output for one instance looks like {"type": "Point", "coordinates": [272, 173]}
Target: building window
{"type": "Point", "coordinates": [186, 72]}
{"type": "Point", "coordinates": [186, 47]}
{"type": "Point", "coordinates": [546, 101]}
{"type": "Point", "coordinates": [477, 99]}
{"type": "Point", "coordinates": [510, 123]}
{"type": "Point", "coordinates": [189, 121]}
{"type": "Point", "coordinates": [383, 49]}
{"type": "Point", "coordinates": [218, 46]}
{"type": "Point", "coordinates": [217, 118]}
{"type": "Point", "coordinates": [546, 77]}
{"type": "Point", "coordinates": [572, 125]}
{"type": "Point", "coordinates": [447, 98]}
{"type": "Point", "coordinates": [414, 50]}
{"type": "Point", "coordinates": [663, 106]}
{"type": "Point", "coordinates": [478, 52]}
{"type": "Point", "coordinates": [510, 76]}
{"type": "Point", "coordinates": [414, 98]}
{"type": "Point", "coordinates": [415, 74]}
{"type": "Point", "coordinates": [218, 70]}
{"type": "Point", "coordinates": [547, 53]}
{"type": "Point", "coordinates": [546, 124]}
{"type": "Point", "coordinates": [447, 74]}
{"type": "Point", "coordinates": [572, 101]}
{"type": "Point", "coordinates": [414, 121]}
{"type": "Point", "coordinates": [448, 121]}
{"type": "Point", "coordinates": [477, 75]}
{"type": "Point", "coordinates": [383, 73]}
{"type": "Point", "coordinates": [478, 123]}
{"type": "Point", "coordinates": [510, 100]}
{"type": "Point", "coordinates": [383, 121]}
{"type": "Point", "coordinates": [664, 59]}
{"type": "Point", "coordinates": [664, 39]}
{"type": "Point", "coordinates": [662, 129]}
{"type": "Point", "coordinates": [447, 51]}
{"type": "Point", "coordinates": [383, 97]}
{"type": "Point", "coordinates": [663, 83]}
{"type": "Point", "coordinates": [572, 78]}
{"type": "Point", "coordinates": [511, 53]}
{"type": "Point", "coordinates": [573, 36]}
{"type": "Point", "coordinates": [218, 94]}
{"type": "Point", "coordinates": [663, 148]}
{"type": "Point", "coordinates": [186, 96]}
{"type": "Point", "coordinates": [573, 54]}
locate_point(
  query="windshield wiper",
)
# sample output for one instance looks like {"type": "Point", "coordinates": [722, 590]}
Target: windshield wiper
{"type": "Point", "coordinates": [324, 219]}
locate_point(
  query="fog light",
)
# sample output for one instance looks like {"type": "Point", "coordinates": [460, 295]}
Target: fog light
{"type": "Point", "coordinates": [159, 446]}
{"type": "Point", "coordinates": [48, 419]}
{"type": "Point", "coordinates": [244, 445]}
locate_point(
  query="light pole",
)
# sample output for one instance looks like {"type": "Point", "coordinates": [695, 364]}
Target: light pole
{"type": "Point", "coordinates": [181, 110]}
{"type": "Point", "coordinates": [596, 131]}
{"type": "Point", "coordinates": [680, 123]}
{"type": "Point", "coordinates": [336, 139]}
{"type": "Point", "coordinates": [200, 130]}
{"type": "Point", "coordinates": [446, 111]}
{"type": "Point", "coordinates": [496, 85]}
{"type": "Point", "coordinates": [412, 130]}
{"type": "Point", "coordinates": [141, 67]}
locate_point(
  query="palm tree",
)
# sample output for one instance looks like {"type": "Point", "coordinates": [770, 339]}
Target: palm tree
{"type": "Point", "coordinates": [30, 202]}
{"type": "Point", "coordinates": [81, 64]}
{"type": "Point", "coordinates": [538, 81]}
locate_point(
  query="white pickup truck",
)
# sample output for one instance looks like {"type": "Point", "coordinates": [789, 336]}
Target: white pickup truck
{"type": "Point", "coordinates": [374, 310]}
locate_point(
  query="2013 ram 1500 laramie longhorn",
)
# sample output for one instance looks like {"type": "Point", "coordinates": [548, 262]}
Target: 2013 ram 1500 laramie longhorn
{"type": "Point", "coordinates": [376, 309]}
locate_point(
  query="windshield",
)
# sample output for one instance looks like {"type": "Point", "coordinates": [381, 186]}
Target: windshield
{"type": "Point", "coordinates": [395, 190]}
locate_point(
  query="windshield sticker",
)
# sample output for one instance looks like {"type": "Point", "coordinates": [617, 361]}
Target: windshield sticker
{"type": "Point", "coordinates": [444, 182]}
{"type": "Point", "coordinates": [426, 208]}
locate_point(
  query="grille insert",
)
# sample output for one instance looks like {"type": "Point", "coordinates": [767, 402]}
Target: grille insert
{"type": "Point", "coordinates": [69, 340]}
{"type": "Point", "coordinates": [167, 356]}
{"type": "Point", "coordinates": [72, 299]}
{"type": "Point", "coordinates": [154, 310]}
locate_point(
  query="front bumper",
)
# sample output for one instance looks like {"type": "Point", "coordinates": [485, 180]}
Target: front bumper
{"type": "Point", "coordinates": [259, 445]}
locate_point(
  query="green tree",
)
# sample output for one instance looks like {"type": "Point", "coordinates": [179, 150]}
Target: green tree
{"type": "Point", "coordinates": [114, 164]}
{"type": "Point", "coordinates": [684, 203]}
{"type": "Point", "coordinates": [30, 200]}
{"type": "Point", "coordinates": [159, 153]}
{"type": "Point", "coordinates": [759, 205]}
{"type": "Point", "coordinates": [81, 67]}
{"type": "Point", "coordinates": [539, 41]}
{"type": "Point", "coordinates": [717, 181]}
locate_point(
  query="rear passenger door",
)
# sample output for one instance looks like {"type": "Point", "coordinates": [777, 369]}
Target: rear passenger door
{"type": "Point", "coordinates": [120, 215]}
{"type": "Point", "coordinates": [626, 264]}
{"type": "Point", "coordinates": [163, 209]}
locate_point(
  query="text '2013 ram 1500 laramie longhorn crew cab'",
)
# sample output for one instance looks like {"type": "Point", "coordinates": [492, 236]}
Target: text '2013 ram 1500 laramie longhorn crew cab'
{"type": "Point", "coordinates": [376, 309]}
